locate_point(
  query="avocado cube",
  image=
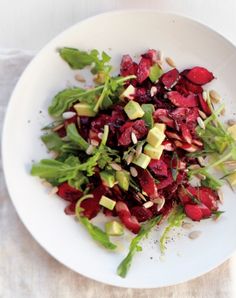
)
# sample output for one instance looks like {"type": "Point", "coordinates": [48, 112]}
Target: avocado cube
{"type": "Point", "coordinates": [232, 131]}
{"type": "Point", "coordinates": [155, 137]}
{"type": "Point", "coordinates": [128, 93]}
{"type": "Point", "coordinates": [154, 153]}
{"type": "Point", "coordinates": [84, 109]}
{"type": "Point", "coordinates": [114, 228]}
{"type": "Point", "coordinates": [107, 202]}
{"type": "Point", "coordinates": [133, 110]}
{"type": "Point", "coordinates": [232, 179]}
{"type": "Point", "coordinates": [108, 178]}
{"type": "Point", "coordinates": [123, 178]}
{"type": "Point", "coordinates": [160, 126]}
{"type": "Point", "coordinates": [142, 161]}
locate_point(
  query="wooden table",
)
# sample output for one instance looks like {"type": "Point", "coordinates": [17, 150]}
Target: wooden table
{"type": "Point", "coordinates": [26, 270]}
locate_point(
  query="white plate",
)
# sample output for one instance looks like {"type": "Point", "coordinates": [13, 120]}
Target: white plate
{"type": "Point", "coordinates": [188, 43]}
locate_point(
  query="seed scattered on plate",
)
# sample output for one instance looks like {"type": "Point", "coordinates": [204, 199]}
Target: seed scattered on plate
{"type": "Point", "coordinates": [130, 158]}
{"type": "Point", "coordinates": [46, 183]}
{"type": "Point", "coordinates": [160, 203]}
{"type": "Point", "coordinates": [78, 122]}
{"type": "Point", "coordinates": [133, 172]}
{"type": "Point", "coordinates": [194, 167]}
{"type": "Point", "coordinates": [194, 235]}
{"type": "Point", "coordinates": [223, 112]}
{"type": "Point", "coordinates": [202, 114]}
{"type": "Point", "coordinates": [201, 161]}
{"type": "Point", "coordinates": [138, 150]}
{"type": "Point", "coordinates": [215, 96]}
{"type": "Point", "coordinates": [204, 95]}
{"type": "Point", "coordinates": [231, 122]}
{"type": "Point", "coordinates": [148, 204]}
{"type": "Point", "coordinates": [68, 115]}
{"type": "Point", "coordinates": [141, 196]}
{"type": "Point", "coordinates": [53, 191]}
{"type": "Point", "coordinates": [115, 166]}
{"type": "Point", "coordinates": [220, 194]}
{"type": "Point", "coordinates": [170, 62]}
{"type": "Point", "coordinates": [187, 225]}
{"type": "Point", "coordinates": [90, 149]}
{"type": "Point", "coordinates": [134, 138]}
{"type": "Point", "coordinates": [100, 135]}
{"type": "Point", "coordinates": [94, 142]}
{"type": "Point", "coordinates": [80, 78]}
{"type": "Point", "coordinates": [153, 91]}
{"type": "Point", "coordinates": [201, 176]}
{"type": "Point", "coordinates": [58, 127]}
{"type": "Point", "coordinates": [201, 123]}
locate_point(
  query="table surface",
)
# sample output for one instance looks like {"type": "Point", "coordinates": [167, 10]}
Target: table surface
{"type": "Point", "coordinates": [26, 270]}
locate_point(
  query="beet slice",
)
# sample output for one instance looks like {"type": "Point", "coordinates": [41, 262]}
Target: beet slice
{"type": "Point", "coordinates": [162, 115]}
{"type": "Point", "coordinates": [204, 105]}
{"type": "Point", "coordinates": [147, 182]}
{"type": "Point", "coordinates": [142, 214]}
{"type": "Point", "coordinates": [186, 133]}
{"type": "Point", "coordinates": [130, 222]}
{"type": "Point", "coordinates": [208, 197]}
{"type": "Point", "coordinates": [206, 212]}
{"type": "Point", "coordinates": [152, 55]}
{"type": "Point", "coordinates": [138, 127]}
{"type": "Point", "coordinates": [170, 78]}
{"type": "Point", "coordinates": [143, 69]}
{"type": "Point", "coordinates": [180, 101]}
{"type": "Point", "coordinates": [168, 145]}
{"type": "Point", "coordinates": [69, 193]}
{"type": "Point", "coordinates": [165, 182]}
{"type": "Point", "coordinates": [70, 209]}
{"type": "Point", "coordinates": [158, 167]}
{"type": "Point", "coordinates": [193, 211]}
{"type": "Point", "coordinates": [192, 87]}
{"type": "Point", "coordinates": [127, 66]}
{"type": "Point", "coordinates": [199, 75]}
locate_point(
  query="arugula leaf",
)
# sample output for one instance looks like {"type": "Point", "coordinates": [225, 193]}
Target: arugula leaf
{"type": "Point", "coordinates": [75, 137]}
{"type": "Point", "coordinates": [124, 266]}
{"type": "Point", "coordinates": [155, 73]}
{"type": "Point", "coordinates": [78, 181]}
{"type": "Point", "coordinates": [95, 232]}
{"type": "Point", "coordinates": [217, 214]}
{"type": "Point", "coordinates": [148, 109]}
{"type": "Point", "coordinates": [52, 141]}
{"type": "Point", "coordinates": [175, 220]}
{"type": "Point", "coordinates": [80, 59]}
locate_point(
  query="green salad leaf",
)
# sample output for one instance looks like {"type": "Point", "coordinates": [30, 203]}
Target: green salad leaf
{"type": "Point", "coordinates": [174, 220]}
{"type": "Point", "coordinates": [148, 109]}
{"type": "Point", "coordinates": [124, 266]}
{"type": "Point", "coordinates": [155, 73]}
{"type": "Point", "coordinates": [75, 137]}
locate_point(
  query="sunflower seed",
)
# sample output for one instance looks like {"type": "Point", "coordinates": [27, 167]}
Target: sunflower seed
{"type": "Point", "coordinates": [170, 62]}
{"type": "Point", "coordinates": [141, 196]}
{"type": "Point", "coordinates": [223, 112]}
{"type": "Point", "coordinates": [215, 96]}
{"type": "Point", "coordinates": [94, 142]}
{"type": "Point", "coordinates": [68, 115]}
{"type": "Point", "coordinates": [115, 166]}
{"type": "Point", "coordinates": [159, 62]}
{"type": "Point", "coordinates": [231, 122]}
{"type": "Point", "coordinates": [133, 172]}
{"type": "Point", "coordinates": [202, 114]}
{"type": "Point", "coordinates": [46, 183]}
{"type": "Point", "coordinates": [160, 204]}
{"type": "Point", "coordinates": [230, 163]}
{"type": "Point", "coordinates": [187, 225]}
{"type": "Point", "coordinates": [100, 135]}
{"type": "Point", "coordinates": [195, 234]}
{"type": "Point", "coordinates": [134, 138]}
{"type": "Point", "coordinates": [138, 150]}
{"type": "Point", "coordinates": [148, 204]}
{"type": "Point", "coordinates": [90, 149]}
{"type": "Point", "coordinates": [194, 167]}
{"type": "Point", "coordinates": [144, 193]}
{"type": "Point", "coordinates": [53, 191]}
{"type": "Point", "coordinates": [201, 161]}
{"type": "Point", "coordinates": [130, 158]}
{"type": "Point", "coordinates": [201, 123]}
{"type": "Point", "coordinates": [220, 194]}
{"type": "Point", "coordinates": [78, 122]}
{"type": "Point", "coordinates": [201, 176]}
{"type": "Point", "coordinates": [58, 127]}
{"type": "Point", "coordinates": [153, 91]}
{"type": "Point", "coordinates": [204, 95]}
{"type": "Point", "coordinates": [80, 78]}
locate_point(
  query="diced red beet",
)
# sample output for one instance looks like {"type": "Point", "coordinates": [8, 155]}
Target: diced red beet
{"type": "Point", "coordinates": [152, 55]}
{"type": "Point", "coordinates": [204, 105]}
{"type": "Point", "coordinates": [170, 78]}
{"type": "Point", "coordinates": [185, 194]}
{"type": "Point", "coordinates": [129, 221]}
{"type": "Point", "coordinates": [162, 115]}
{"type": "Point", "coordinates": [206, 212]}
{"type": "Point", "coordinates": [180, 101]}
{"type": "Point", "coordinates": [147, 182]}
{"type": "Point", "coordinates": [208, 197]}
{"type": "Point", "coordinates": [199, 75]}
{"type": "Point", "coordinates": [158, 167]}
{"type": "Point", "coordinates": [186, 133]}
{"type": "Point", "coordinates": [168, 146]}
{"type": "Point", "coordinates": [165, 182]}
{"type": "Point", "coordinates": [142, 214]}
{"type": "Point", "coordinates": [193, 211]}
{"type": "Point", "coordinates": [138, 127]}
{"type": "Point", "coordinates": [143, 69]}
{"type": "Point", "coordinates": [142, 95]}
{"type": "Point", "coordinates": [128, 67]}
{"type": "Point", "coordinates": [68, 193]}
{"type": "Point", "coordinates": [125, 138]}
{"type": "Point", "coordinates": [70, 209]}
{"type": "Point", "coordinates": [193, 87]}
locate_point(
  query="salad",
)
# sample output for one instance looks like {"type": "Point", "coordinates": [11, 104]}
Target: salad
{"type": "Point", "coordinates": [142, 146]}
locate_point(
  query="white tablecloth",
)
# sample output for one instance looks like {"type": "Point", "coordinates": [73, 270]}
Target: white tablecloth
{"type": "Point", "coordinates": [26, 270]}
